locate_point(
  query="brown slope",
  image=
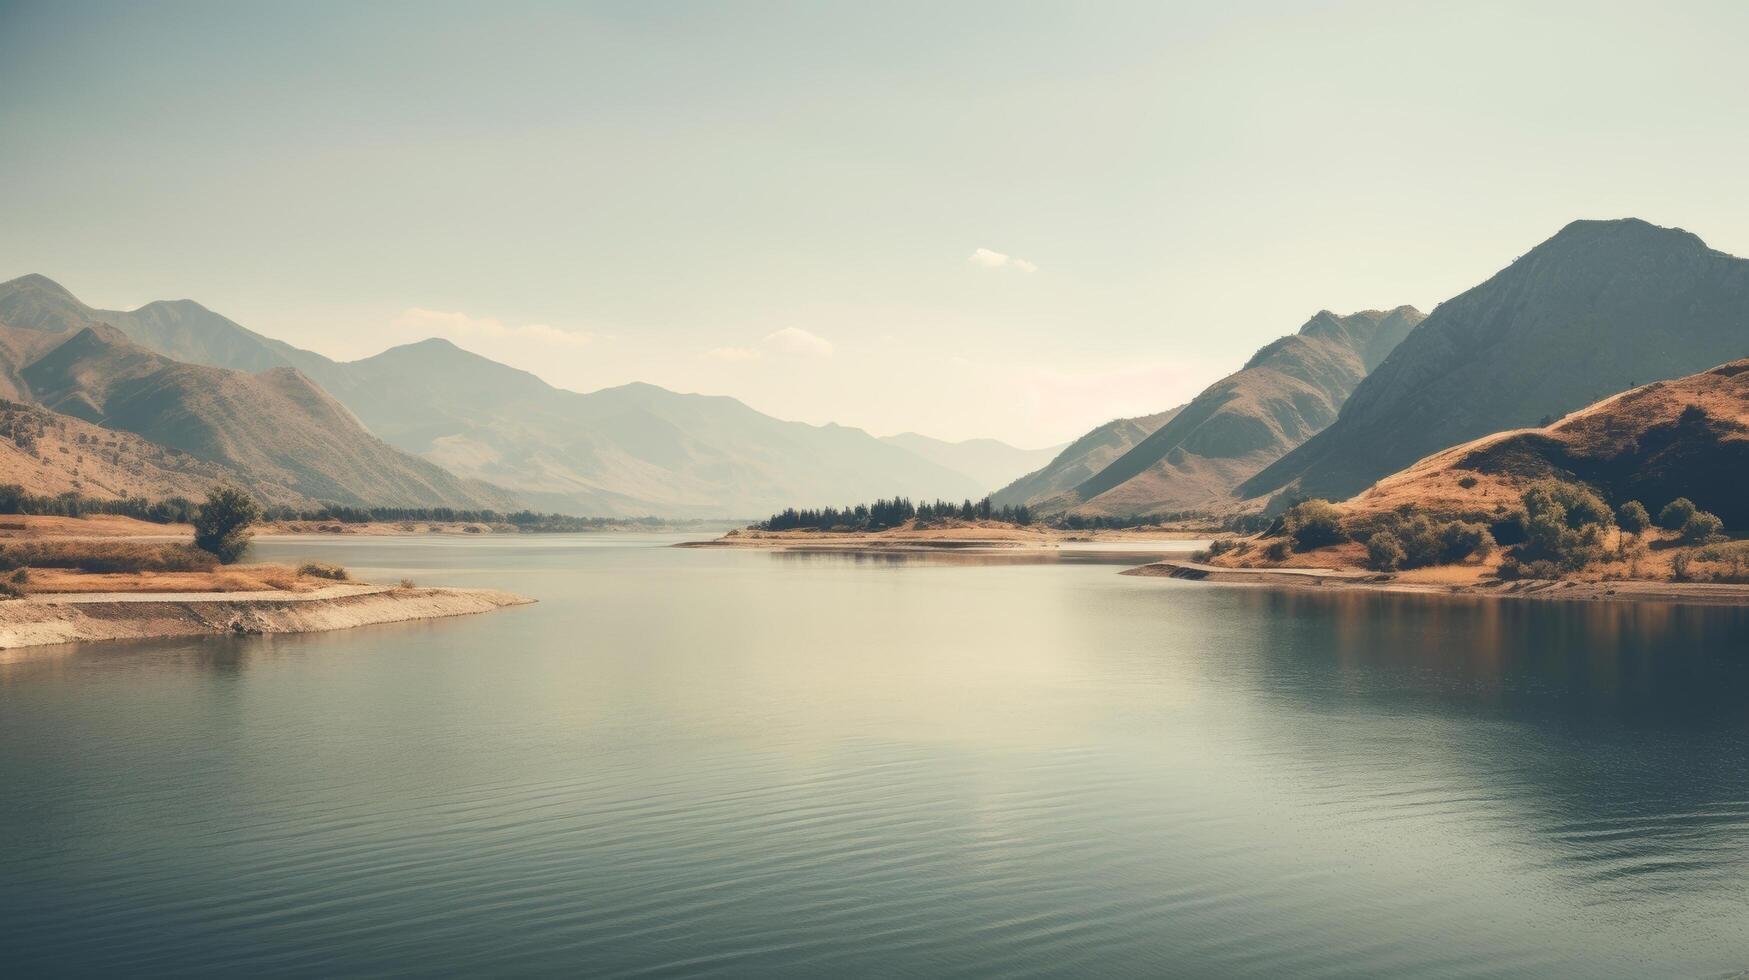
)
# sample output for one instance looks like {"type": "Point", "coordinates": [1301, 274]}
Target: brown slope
{"type": "Point", "coordinates": [1081, 459]}
{"type": "Point", "coordinates": [1683, 438]}
{"type": "Point", "coordinates": [47, 453]}
{"type": "Point", "coordinates": [276, 427]}
{"type": "Point", "coordinates": [1600, 307]}
{"type": "Point", "coordinates": [1286, 393]}
{"type": "Point", "coordinates": [281, 434]}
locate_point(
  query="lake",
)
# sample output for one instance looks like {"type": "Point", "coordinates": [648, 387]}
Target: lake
{"type": "Point", "coordinates": [714, 762]}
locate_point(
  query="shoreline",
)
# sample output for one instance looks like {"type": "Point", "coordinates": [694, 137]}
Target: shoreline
{"type": "Point", "coordinates": [968, 537]}
{"type": "Point", "coordinates": [56, 618]}
{"type": "Point", "coordinates": [1544, 590]}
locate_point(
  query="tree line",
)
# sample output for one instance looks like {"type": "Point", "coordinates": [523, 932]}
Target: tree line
{"type": "Point", "coordinates": [888, 513]}
{"type": "Point", "coordinates": [181, 510]}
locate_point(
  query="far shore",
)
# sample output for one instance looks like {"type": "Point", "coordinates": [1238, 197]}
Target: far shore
{"type": "Point", "coordinates": [1332, 579]}
{"type": "Point", "coordinates": [951, 535]}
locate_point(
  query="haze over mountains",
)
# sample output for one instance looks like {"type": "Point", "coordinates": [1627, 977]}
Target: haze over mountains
{"type": "Point", "coordinates": [285, 438]}
{"type": "Point", "coordinates": [628, 451]}
{"type": "Point", "coordinates": [1599, 308]}
{"type": "Point", "coordinates": [1287, 392]}
{"type": "Point", "coordinates": [1326, 411]}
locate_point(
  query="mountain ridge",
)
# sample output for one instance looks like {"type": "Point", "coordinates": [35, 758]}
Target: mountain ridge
{"type": "Point", "coordinates": [1599, 307]}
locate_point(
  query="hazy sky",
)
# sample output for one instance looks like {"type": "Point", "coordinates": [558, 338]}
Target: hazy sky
{"type": "Point", "coordinates": [1012, 219]}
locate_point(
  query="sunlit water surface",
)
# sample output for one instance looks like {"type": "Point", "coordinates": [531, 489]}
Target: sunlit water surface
{"type": "Point", "coordinates": [717, 762]}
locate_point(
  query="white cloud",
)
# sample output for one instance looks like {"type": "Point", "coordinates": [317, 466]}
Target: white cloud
{"type": "Point", "coordinates": [794, 340]}
{"type": "Point", "coordinates": [732, 354]}
{"type": "Point", "coordinates": [989, 259]}
{"type": "Point", "coordinates": [421, 320]}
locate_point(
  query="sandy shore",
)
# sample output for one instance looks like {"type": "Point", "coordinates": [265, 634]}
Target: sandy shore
{"type": "Point", "coordinates": [71, 618]}
{"type": "Point", "coordinates": [1326, 579]}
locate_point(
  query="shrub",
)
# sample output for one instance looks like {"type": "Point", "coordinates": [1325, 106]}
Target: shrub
{"type": "Point", "coordinates": [321, 569]}
{"type": "Point", "coordinates": [1313, 524]}
{"type": "Point", "coordinates": [1542, 568]}
{"type": "Point", "coordinates": [1679, 566]}
{"type": "Point", "coordinates": [1468, 482]}
{"type": "Point", "coordinates": [1421, 544]}
{"type": "Point", "coordinates": [1702, 528]}
{"type": "Point", "coordinates": [222, 526]}
{"type": "Point", "coordinates": [1460, 540]}
{"type": "Point", "coordinates": [1632, 517]}
{"type": "Point", "coordinates": [1676, 514]}
{"type": "Point", "coordinates": [406, 583]}
{"type": "Point", "coordinates": [1564, 524]}
{"type": "Point", "coordinates": [1576, 504]}
{"type": "Point", "coordinates": [1277, 550]}
{"type": "Point", "coordinates": [1510, 570]}
{"type": "Point", "coordinates": [1384, 552]}
{"type": "Point", "coordinates": [1221, 546]}
{"type": "Point", "coordinates": [21, 577]}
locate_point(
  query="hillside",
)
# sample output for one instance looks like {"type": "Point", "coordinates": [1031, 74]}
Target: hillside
{"type": "Point", "coordinates": [1599, 308]}
{"type": "Point", "coordinates": [1081, 459]}
{"type": "Point", "coordinates": [1688, 437]}
{"type": "Point", "coordinates": [634, 449]}
{"type": "Point", "coordinates": [627, 451]}
{"type": "Point", "coordinates": [279, 432]}
{"type": "Point", "coordinates": [990, 463]}
{"type": "Point", "coordinates": [48, 454]}
{"type": "Point", "coordinates": [1285, 393]}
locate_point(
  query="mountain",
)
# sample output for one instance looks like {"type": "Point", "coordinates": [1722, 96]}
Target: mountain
{"type": "Point", "coordinates": [1081, 459]}
{"type": "Point", "coordinates": [1599, 308]}
{"type": "Point", "coordinates": [626, 451]}
{"type": "Point", "coordinates": [282, 434]}
{"type": "Point", "coordinates": [989, 463]}
{"type": "Point", "coordinates": [1284, 394]}
{"type": "Point", "coordinates": [634, 449]}
{"type": "Point", "coordinates": [1687, 437]}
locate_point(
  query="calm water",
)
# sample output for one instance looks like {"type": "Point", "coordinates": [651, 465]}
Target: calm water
{"type": "Point", "coordinates": [703, 762]}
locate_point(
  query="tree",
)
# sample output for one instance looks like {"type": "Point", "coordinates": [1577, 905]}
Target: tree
{"type": "Point", "coordinates": [222, 526]}
{"type": "Point", "coordinates": [1313, 524]}
{"type": "Point", "coordinates": [1632, 517]}
{"type": "Point", "coordinates": [1676, 514]}
{"type": "Point", "coordinates": [1702, 528]}
{"type": "Point", "coordinates": [1384, 552]}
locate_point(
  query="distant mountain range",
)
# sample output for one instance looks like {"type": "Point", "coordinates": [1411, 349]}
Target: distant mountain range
{"type": "Point", "coordinates": [1194, 460]}
{"type": "Point", "coordinates": [1599, 308]}
{"type": "Point", "coordinates": [989, 462]}
{"type": "Point", "coordinates": [1345, 401]}
{"type": "Point", "coordinates": [284, 437]}
{"type": "Point", "coordinates": [511, 438]}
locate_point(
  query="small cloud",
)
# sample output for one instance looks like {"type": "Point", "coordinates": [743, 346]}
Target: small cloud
{"type": "Point", "coordinates": [422, 320]}
{"type": "Point", "coordinates": [986, 258]}
{"type": "Point", "coordinates": [732, 354]}
{"type": "Point", "coordinates": [794, 340]}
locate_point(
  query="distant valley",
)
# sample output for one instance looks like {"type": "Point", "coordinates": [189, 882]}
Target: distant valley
{"type": "Point", "coordinates": [460, 429]}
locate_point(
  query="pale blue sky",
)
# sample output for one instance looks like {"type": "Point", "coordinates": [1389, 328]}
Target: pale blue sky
{"type": "Point", "coordinates": [782, 202]}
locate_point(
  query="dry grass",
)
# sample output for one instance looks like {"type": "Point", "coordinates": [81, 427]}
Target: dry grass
{"type": "Point", "coordinates": [108, 556]}
{"type": "Point", "coordinates": [235, 578]}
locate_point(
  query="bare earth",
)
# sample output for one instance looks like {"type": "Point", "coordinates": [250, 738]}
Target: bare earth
{"type": "Point", "coordinates": [66, 605]}
{"type": "Point", "coordinates": [44, 619]}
